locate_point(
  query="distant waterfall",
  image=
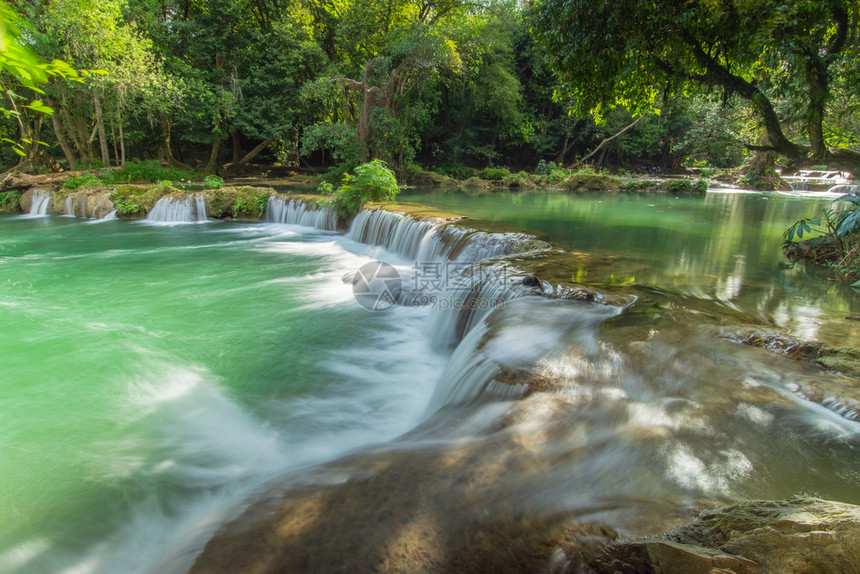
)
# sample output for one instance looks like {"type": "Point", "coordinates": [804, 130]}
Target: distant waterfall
{"type": "Point", "coordinates": [40, 202]}
{"type": "Point", "coordinates": [188, 209]}
{"type": "Point", "coordinates": [297, 212]}
{"type": "Point", "coordinates": [847, 189]}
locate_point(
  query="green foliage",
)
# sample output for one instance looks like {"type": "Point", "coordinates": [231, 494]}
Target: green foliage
{"type": "Point", "coordinates": [687, 186]}
{"type": "Point", "coordinates": [337, 172]}
{"type": "Point", "coordinates": [261, 202]}
{"type": "Point", "coordinates": [124, 204]}
{"type": "Point", "coordinates": [87, 179]}
{"type": "Point", "coordinates": [410, 172]}
{"type": "Point", "coordinates": [213, 182]}
{"type": "Point", "coordinates": [149, 171]}
{"type": "Point", "coordinates": [831, 227]}
{"type": "Point", "coordinates": [10, 199]}
{"type": "Point", "coordinates": [848, 221]}
{"type": "Point", "coordinates": [495, 173]}
{"type": "Point", "coordinates": [372, 181]}
{"type": "Point", "coordinates": [249, 202]}
{"type": "Point", "coordinates": [454, 170]}
{"type": "Point", "coordinates": [545, 168]}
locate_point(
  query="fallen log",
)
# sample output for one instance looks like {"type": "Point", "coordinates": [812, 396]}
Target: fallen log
{"type": "Point", "coordinates": [13, 180]}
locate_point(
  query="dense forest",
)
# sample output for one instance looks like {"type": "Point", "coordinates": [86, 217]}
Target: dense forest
{"type": "Point", "coordinates": [440, 84]}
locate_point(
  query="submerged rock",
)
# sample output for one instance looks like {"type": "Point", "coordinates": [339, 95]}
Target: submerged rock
{"type": "Point", "coordinates": [842, 360]}
{"type": "Point", "coordinates": [800, 535]}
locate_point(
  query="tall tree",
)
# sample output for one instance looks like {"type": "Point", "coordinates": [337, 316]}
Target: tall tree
{"type": "Point", "coordinates": [626, 52]}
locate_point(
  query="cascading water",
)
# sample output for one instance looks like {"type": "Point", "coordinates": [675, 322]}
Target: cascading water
{"type": "Point", "coordinates": [847, 189]}
{"type": "Point", "coordinates": [297, 212]}
{"type": "Point", "coordinates": [187, 209]}
{"type": "Point", "coordinates": [40, 202]}
{"type": "Point", "coordinates": [526, 406]}
{"type": "Point", "coordinates": [428, 240]}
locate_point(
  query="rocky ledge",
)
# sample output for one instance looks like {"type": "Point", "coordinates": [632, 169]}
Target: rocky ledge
{"type": "Point", "coordinates": [798, 535]}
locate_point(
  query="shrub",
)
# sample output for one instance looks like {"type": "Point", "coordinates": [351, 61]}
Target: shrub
{"type": "Point", "coordinates": [10, 199]}
{"type": "Point", "coordinates": [545, 168]}
{"type": "Point", "coordinates": [336, 173]}
{"type": "Point", "coordinates": [149, 171]}
{"type": "Point", "coordinates": [213, 182]}
{"type": "Point", "coordinates": [372, 181]}
{"type": "Point", "coordinates": [687, 186]}
{"type": "Point", "coordinates": [495, 173]}
{"type": "Point", "coordinates": [74, 183]}
{"type": "Point", "coordinates": [455, 170]}
{"type": "Point", "coordinates": [410, 172]}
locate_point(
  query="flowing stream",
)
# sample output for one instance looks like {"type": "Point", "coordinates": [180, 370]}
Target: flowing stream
{"type": "Point", "coordinates": [155, 376]}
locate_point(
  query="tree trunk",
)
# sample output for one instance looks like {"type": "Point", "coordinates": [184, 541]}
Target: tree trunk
{"type": "Point", "coordinates": [718, 75]}
{"type": "Point", "coordinates": [167, 146]}
{"type": "Point", "coordinates": [213, 157]}
{"type": "Point", "coordinates": [60, 134]}
{"type": "Point", "coordinates": [100, 125]}
{"type": "Point", "coordinates": [237, 149]}
{"type": "Point", "coordinates": [233, 167]}
{"type": "Point", "coordinates": [121, 137]}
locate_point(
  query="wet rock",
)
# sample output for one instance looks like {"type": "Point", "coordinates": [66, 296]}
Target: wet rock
{"type": "Point", "coordinates": [795, 535]}
{"type": "Point", "coordinates": [799, 535]}
{"type": "Point", "coordinates": [531, 281]}
{"type": "Point", "coordinates": [843, 360]}
{"type": "Point", "coordinates": [350, 277]}
{"type": "Point", "coordinates": [578, 294]}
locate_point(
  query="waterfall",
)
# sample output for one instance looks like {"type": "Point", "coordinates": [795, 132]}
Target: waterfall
{"type": "Point", "coordinates": [68, 206]}
{"type": "Point", "coordinates": [40, 202]}
{"type": "Point", "coordinates": [846, 189]}
{"type": "Point", "coordinates": [500, 356]}
{"type": "Point", "coordinates": [171, 209]}
{"type": "Point", "coordinates": [428, 240]}
{"type": "Point", "coordinates": [297, 212]}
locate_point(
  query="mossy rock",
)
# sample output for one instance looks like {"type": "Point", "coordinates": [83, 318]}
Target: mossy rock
{"type": "Point", "coordinates": [592, 182]}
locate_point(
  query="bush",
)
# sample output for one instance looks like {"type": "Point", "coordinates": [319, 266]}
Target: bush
{"type": "Point", "coordinates": [372, 181]}
{"type": "Point", "coordinates": [336, 173]}
{"type": "Point", "coordinates": [149, 171]}
{"type": "Point", "coordinates": [249, 202]}
{"type": "Point", "coordinates": [213, 182]}
{"type": "Point", "coordinates": [495, 173]}
{"type": "Point", "coordinates": [455, 170]}
{"type": "Point", "coordinates": [74, 183]}
{"type": "Point", "coordinates": [545, 168]}
{"type": "Point", "coordinates": [687, 186]}
{"type": "Point", "coordinates": [410, 172]}
{"type": "Point", "coordinates": [10, 199]}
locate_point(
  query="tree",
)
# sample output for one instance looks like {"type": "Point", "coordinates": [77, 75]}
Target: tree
{"type": "Point", "coordinates": [21, 67]}
{"type": "Point", "coordinates": [629, 52]}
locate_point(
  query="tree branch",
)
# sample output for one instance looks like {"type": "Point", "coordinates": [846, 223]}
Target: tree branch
{"type": "Point", "coordinates": [609, 139]}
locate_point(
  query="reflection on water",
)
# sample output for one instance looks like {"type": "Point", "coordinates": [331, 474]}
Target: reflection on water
{"type": "Point", "coordinates": [721, 246]}
{"type": "Point", "coordinates": [156, 376]}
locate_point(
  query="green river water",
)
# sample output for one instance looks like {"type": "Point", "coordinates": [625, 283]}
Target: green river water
{"type": "Point", "coordinates": [153, 375]}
